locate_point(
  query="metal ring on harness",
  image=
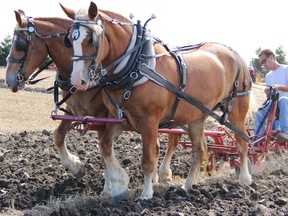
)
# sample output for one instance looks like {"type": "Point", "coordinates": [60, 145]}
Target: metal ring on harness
{"type": "Point", "coordinates": [127, 94]}
{"type": "Point", "coordinates": [134, 75]}
{"type": "Point", "coordinates": [141, 57]}
{"type": "Point", "coordinates": [20, 76]}
{"type": "Point", "coordinates": [92, 72]}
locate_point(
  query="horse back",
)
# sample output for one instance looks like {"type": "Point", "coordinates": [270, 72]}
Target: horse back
{"type": "Point", "coordinates": [211, 72]}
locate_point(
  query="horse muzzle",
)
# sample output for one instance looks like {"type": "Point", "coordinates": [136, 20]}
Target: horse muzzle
{"type": "Point", "coordinates": [12, 84]}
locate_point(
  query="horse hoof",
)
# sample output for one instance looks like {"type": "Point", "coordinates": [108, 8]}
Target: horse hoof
{"type": "Point", "coordinates": [81, 172]}
{"type": "Point", "coordinates": [120, 197]}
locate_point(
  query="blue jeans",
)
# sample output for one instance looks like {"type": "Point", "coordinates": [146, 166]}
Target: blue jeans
{"type": "Point", "coordinates": [263, 112]}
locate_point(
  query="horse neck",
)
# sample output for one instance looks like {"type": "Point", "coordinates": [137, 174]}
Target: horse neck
{"type": "Point", "coordinates": [115, 32]}
{"type": "Point", "coordinates": [55, 46]}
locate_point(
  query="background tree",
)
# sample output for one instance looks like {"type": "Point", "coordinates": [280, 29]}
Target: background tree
{"type": "Point", "coordinates": [4, 49]}
{"type": "Point", "coordinates": [281, 55]}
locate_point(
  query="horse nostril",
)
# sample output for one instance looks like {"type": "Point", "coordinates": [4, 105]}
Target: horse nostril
{"type": "Point", "coordinates": [83, 82]}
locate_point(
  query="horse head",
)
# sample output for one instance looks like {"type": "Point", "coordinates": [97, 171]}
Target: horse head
{"type": "Point", "coordinates": [91, 36]}
{"type": "Point", "coordinates": [29, 48]}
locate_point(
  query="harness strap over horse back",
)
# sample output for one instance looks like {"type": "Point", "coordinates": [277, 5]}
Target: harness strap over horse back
{"type": "Point", "coordinates": [155, 77]}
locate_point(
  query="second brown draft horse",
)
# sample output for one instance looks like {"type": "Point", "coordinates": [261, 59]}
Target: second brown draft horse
{"type": "Point", "coordinates": [36, 38]}
{"type": "Point", "coordinates": [153, 85]}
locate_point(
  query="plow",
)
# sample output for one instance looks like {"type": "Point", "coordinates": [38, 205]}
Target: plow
{"type": "Point", "coordinates": [221, 145]}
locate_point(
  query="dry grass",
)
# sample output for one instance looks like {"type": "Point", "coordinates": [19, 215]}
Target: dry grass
{"type": "Point", "coordinates": [26, 110]}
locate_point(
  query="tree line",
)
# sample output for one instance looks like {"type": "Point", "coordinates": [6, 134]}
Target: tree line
{"type": "Point", "coordinates": [280, 55]}
{"type": "Point", "coordinates": [4, 49]}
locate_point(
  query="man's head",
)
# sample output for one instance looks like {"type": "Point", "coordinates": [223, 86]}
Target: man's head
{"type": "Point", "coordinates": [267, 58]}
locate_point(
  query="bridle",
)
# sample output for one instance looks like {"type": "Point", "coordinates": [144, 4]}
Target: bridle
{"type": "Point", "coordinates": [28, 31]}
{"type": "Point", "coordinates": [96, 70]}
{"type": "Point", "coordinates": [94, 58]}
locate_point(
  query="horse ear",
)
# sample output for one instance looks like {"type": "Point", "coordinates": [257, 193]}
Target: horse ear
{"type": "Point", "coordinates": [93, 11]}
{"type": "Point", "coordinates": [69, 12]}
{"type": "Point", "coordinates": [18, 18]}
{"type": "Point", "coordinates": [21, 12]}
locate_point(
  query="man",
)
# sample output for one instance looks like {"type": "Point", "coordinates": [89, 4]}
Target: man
{"type": "Point", "coordinates": [278, 79]}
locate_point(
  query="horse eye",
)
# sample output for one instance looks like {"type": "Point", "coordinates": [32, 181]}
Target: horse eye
{"type": "Point", "coordinates": [90, 40]}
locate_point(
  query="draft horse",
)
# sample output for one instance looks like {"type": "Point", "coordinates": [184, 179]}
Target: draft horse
{"type": "Point", "coordinates": [36, 38]}
{"type": "Point", "coordinates": [152, 85]}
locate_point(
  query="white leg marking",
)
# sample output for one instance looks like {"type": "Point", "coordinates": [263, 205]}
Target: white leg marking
{"type": "Point", "coordinates": [107, 191]}
{"type": "Point", "coordinates": [244, 177]}
{"type": "Point", "coordinates": [69, 161]}
{"type": "Point", "coordinates": [148, 188]}
{"type": "Point", "coordinates": [194, 172]}
{"type": "Point", "coordinates": [165, 173]}
{"type": "Point", "coordinates": [118, 176]}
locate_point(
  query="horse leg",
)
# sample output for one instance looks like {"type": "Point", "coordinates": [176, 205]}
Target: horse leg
{"type": "Point", "coordinates": [196, 134]}
{"type": "Point", "coordinates": [155, 178]}
{"type": "Point", "coordinates": [117, 175]}
{"type": "Point", "coordinates": [165, 173]}
{"type": "Point", "coordinates": [238, 117]}
{"type": "Point", "coordinates": [68, 160]}
{"type": "Point", "coordinates": [149, 157]}
{"type": "Point", "coordinates": [107, 189]}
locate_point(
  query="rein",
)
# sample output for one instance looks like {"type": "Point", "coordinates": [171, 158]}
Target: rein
{"type": "Point", "coordinates": [20, 73]}
{"type": "Point", "coordinates": [65, 85]}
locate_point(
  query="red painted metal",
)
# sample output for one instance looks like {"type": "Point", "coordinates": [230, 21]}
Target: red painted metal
{"type": "Point", "coordinates": [222, 147]}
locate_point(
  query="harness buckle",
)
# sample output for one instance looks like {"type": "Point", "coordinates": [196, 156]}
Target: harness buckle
{"type": "Point", "coordinates": [54, 112]}
{"type": "Point", "coordinates": [114, 21]}
{"type": "Point", "coordinates": [73, 90]}
{"type": "Point", "coordinates": [229, 108]}
{"type": "Point", "coordinates": [127, 94]}
{"type": "Point", "coordinates": [120, 112]}
{"type": "Point", "coordinates": [103, 72]}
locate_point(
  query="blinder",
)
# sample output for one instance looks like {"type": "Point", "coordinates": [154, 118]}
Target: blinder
{"type": "Point", "coordinates": [67, 42]}
{"type": "Point", "coordinates": [95, 40]}
{"type": "Point", "coordinates": [21, 44]}
{"type": "Point", "coordinates": [76, 34]}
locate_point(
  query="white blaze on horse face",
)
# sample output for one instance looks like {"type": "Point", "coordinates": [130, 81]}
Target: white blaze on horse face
{"type": "Point", "coordinates": [79, 76]}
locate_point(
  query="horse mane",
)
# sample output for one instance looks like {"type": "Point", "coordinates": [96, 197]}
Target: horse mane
{"type": "Point", "coordinates": [56, 23]}
{"type": "Point", "coordinates": [115, 15]}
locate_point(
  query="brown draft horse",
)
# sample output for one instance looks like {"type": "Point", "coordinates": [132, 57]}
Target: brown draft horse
{"type": "Point", "coordinates": [35, 39]}
{"type": "Point", "coordinates": [143, 89]}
